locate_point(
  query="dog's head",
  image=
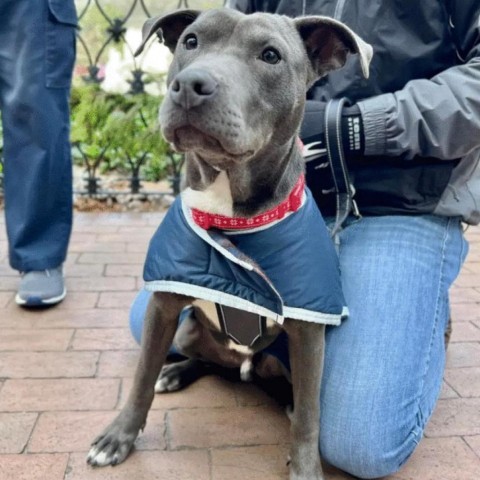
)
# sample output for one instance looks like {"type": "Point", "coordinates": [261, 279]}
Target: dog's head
{"type": "Point", "coordinates": [237, 83]}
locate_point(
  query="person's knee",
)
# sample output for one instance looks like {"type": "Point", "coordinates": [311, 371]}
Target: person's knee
{"type": "Point", "coordinates": [137, 314]}
{"type": "Point", "coordinates": [367, 454]}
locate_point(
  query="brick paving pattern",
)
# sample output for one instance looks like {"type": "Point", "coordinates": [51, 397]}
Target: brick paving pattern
{"type": "Point", "coordinates": [65, 372]}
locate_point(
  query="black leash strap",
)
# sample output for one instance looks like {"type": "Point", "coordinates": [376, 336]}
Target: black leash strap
{"type": "Point", "coordinates": [344, 190]}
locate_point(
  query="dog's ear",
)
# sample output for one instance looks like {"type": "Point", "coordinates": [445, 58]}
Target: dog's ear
{"type": "Point", "coordinates": [168, 27]}
{"type": "Point", "coordinates": [328, 42]}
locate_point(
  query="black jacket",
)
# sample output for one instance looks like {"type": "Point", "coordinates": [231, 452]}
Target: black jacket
{"type": "Point", "coordinates": [420, 107]}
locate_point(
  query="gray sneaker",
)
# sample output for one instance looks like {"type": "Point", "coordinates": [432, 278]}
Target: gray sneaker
{"type": "Point", "coordinates": [41, 288]}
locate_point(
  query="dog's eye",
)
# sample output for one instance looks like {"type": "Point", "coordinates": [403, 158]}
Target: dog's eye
{"type": "Point", "coordinates": [190, 41]}
{"type": "Point", "coordinates": [270, 55]}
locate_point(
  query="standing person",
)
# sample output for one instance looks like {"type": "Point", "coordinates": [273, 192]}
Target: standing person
{"type": "Point", "coordinates": [411, 136]}
{"type": "Point", "coordinates": [37, 54]}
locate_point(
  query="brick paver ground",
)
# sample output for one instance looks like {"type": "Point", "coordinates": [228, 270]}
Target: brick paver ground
{"type": "Point", "coordinates": [64, 373]}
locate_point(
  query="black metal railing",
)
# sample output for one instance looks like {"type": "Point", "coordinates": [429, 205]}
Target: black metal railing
{"type": "Point", "coordinates": [104, 26]}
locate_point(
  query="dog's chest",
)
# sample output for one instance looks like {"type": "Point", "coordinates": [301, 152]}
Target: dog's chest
{"type": "Point", "coordinates": [216, 198]}
{"type": "Point", "coordinates": [246, 332]}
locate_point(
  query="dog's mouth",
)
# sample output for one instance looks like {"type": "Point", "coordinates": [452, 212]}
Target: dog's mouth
{"type": "Point", "coordinates": [188, 138]}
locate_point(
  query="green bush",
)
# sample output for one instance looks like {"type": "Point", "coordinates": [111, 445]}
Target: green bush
{"type": "Point", "coordinates": [117, 132]}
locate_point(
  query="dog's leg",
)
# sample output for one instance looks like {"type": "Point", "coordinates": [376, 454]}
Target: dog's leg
{"type": "Point", "coordinates": [114, 444]}
{"type": "Point", "coordinates": [206, 355]}
{"type": "Point", "coordinates": [306, 344]}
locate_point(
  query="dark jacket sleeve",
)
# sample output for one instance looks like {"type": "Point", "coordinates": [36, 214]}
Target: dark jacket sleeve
{"type": "Point", "coordinates": [244, 6]}
{"type": "Point", "coordinates": [439, 117]}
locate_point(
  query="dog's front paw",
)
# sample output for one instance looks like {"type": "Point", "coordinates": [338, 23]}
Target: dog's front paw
{"type": "Point", "coordinates": [111, 447]}
{"type": "Point", "coordinates": [176, 376]}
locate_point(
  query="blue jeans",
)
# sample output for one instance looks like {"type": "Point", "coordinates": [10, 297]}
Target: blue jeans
{"type": "Point", "coordinates": [37, 53]}
{"type": "Point", "coordinates": [384, 364]}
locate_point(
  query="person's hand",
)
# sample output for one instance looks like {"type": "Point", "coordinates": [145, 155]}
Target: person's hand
{"type": "Point", "coordinates": [319, 172]}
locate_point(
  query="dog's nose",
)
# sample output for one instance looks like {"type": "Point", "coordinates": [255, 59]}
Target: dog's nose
{"type": "Point", "coordinates": [192, 87]}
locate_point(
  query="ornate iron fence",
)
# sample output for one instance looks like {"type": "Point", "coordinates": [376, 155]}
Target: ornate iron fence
{"type": "Point", "coordinates": [118, 17]}
{"type": "Point", "coordinates": [109, 33]}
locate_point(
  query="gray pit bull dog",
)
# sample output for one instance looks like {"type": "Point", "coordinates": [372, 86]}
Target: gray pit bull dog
{"type": "Point", "coordinates": [236, 95]}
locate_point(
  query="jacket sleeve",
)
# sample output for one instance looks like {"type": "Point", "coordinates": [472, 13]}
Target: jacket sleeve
{"type": "Point", "coordinates": [244, 6]}
{"type": "Point", "coordinates": [439, 117]}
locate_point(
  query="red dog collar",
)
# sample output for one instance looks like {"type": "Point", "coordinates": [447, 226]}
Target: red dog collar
{"type": "Point", "coordinates": [291, 204]}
